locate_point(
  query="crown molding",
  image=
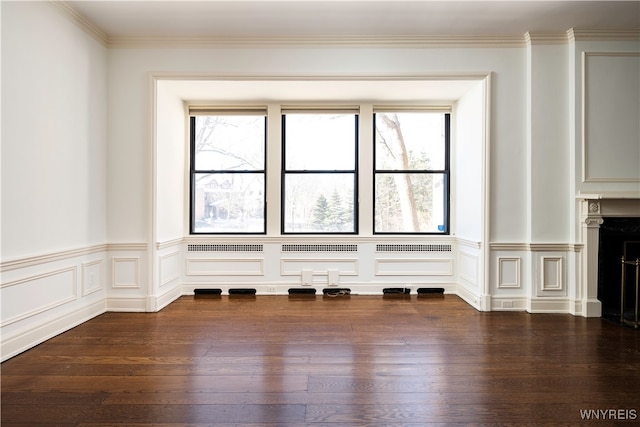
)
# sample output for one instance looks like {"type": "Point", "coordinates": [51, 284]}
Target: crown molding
{"type": "Point", "coordinates": [316, 41]}
{"type": "Point", "coordinates": [545, 38]}
{"type": "Point", "coordinates": [578, 35]}
{"type": "Point", "coordinates": [83, 23]}
{"type": "Point", "coordinates": [372, 41]}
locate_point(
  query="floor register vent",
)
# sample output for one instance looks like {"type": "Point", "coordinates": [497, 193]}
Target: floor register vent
{"type": "Point", "coordinates": [302, 291]}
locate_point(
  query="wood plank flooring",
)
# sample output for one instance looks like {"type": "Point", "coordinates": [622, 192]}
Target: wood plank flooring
{"type": "Point", "coordinates": [322, 361]}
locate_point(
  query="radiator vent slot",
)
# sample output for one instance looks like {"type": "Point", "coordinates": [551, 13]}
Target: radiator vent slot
{"type": "Point", "coordinates": [414, 248]}
{"type": "Point", "coordinates": [223, 248]}
{"type": "Point", "coordinates": [320, 248]}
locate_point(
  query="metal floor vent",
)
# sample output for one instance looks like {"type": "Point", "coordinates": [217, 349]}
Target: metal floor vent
{"type": "Point", "coordinates": [414, 248]}
{"type": "Point", "coordinates": [302, 291]}
{"type": "Point", "coordinates": [207, 292]}
{"type": "Point", "coordinates": [224, 248]}
{"type": "Point", "coordinates": [430, 292]}
{"type": "Point", "coordinates": [242, 291]}
{"type": "Point", "coordinates": [320, 248]}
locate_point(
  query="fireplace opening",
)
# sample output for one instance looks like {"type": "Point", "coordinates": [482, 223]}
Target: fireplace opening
{"type": "Point", "coordinates": [618, 237]}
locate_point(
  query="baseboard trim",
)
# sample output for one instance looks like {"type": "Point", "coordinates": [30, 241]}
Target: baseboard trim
{"type": "Point", "coordinates": [25, 339]}
{"type": "Point", "coordinates": [127, 304]}
{"type": "Point", "coordinates": [514, 303]}
{"type": "Point", "coordinates": [167, 298]}
{"type": "Point", "coordinates": [548, 305]}
{"type": "Point", "coordinates": [471, 298]}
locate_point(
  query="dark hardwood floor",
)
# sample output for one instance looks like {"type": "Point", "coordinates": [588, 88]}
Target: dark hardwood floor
{"type": "Point", "coordinates": [322, 361]}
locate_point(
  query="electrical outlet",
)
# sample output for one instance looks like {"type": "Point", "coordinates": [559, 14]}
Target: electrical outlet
{"type": "Point", "coordinates": [271, 289]}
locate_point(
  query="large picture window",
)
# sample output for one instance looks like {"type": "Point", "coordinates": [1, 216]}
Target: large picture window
{"type": "Point", "coordinates": [316, 152]}
{"type": "Point", "coordinates": [319, 172]}
{"type": "Point", "coordinates": [228, 172]}
{"type": "Point", "coordinates": [411, 172]}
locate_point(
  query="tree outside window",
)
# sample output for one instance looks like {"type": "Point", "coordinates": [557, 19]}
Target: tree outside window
{"type": "Point", "coordinates": [411, 172]}
{"type": "Point", "coordinates": [228, 173]}
{"type": "Point", "coordinates": [319, 176]}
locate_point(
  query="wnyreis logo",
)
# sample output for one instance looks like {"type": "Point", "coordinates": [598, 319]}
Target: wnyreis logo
{"type": "Point", "coordinates": [609, 414]}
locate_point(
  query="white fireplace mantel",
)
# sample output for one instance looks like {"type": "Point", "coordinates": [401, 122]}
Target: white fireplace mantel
{"type": "Point", "coordinates": [594, 208]}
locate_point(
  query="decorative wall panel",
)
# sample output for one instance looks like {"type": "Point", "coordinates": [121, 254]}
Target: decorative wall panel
{"type": "Point", "coordinates": [225, 267]}
{"type": "Point", "coordinates": [91, 277]}
{"type": "Point", "coordinates": [611, 107]}
{"type": "Point", "coordinates": [29, 296]}
{"type": "Point", "coordinates": [126, 272]}
{"type": "Point", "coordinates": [551, 274]}
{"type": "Point", "coordinates": [295, 266]}
{"type": "Point", "coordinates": [414, 267]}
{"type": "Point", "coordinates": [509, 273]}
{"type": "Point", "coordinates": [169, 267]}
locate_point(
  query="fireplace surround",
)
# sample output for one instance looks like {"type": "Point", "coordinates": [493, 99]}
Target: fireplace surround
{"type": "Point", "coordinates": [608, 222]}
{"type": "Point", "coordinates": [618, 237]}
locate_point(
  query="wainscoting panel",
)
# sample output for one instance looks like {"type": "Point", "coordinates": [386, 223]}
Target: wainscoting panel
{"type": "Point", "coordinates": [225, 267]}
{"type": "Point", "coordinates": [414, 267]}
{"type": "Point", "coordinates": [92, 277]}
{"type": "Point", "coordinates": [45, 295]}
{"type": "Point", "coordinates": [509, 273]}
{"type": "Point", "coordinates": [319, 265]}
{"type": "Point", "coordinates": [468, 267]}
{"type": "Point", "coordinates": [33, 295]}
{"type": "Point", "coordinates": [169, 268]}
{"type": "Point", "coordinates": [469, 272]}
{"type": "Point", "coordinates": [128, 277]}
{"type": "Point", "coordinates": [126, 272]}
{"type": "Point", "coordinates": [551, 274]}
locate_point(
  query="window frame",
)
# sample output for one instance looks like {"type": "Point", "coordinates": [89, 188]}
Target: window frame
{"type": "Point", "coordinates": [193, 172]}
{"type": "Point", "coordinates": [284, 172]}
{"type": "Point", "coordinates": [446, 172]}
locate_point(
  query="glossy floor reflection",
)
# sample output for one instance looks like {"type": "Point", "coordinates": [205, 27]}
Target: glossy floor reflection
{"type": "Point", "coordinates": [322, 361]}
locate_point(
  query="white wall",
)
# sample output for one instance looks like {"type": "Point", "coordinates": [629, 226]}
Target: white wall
{"type": "Point", "coordinates": [548, 143]}
{"type": "Point", "coordinates": [53, 133]}
{"type": "Point", "coordinates": [467, 163]}
{"type": "Point", "coordinates": [54, 186]}
{"type": "Point", "coordinates": [128, 124]}
{"type": "Point", "coordinates": [171, 166]}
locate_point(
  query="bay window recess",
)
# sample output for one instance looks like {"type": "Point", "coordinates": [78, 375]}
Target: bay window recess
{"type": "Point", "coordinates": [319, 181]}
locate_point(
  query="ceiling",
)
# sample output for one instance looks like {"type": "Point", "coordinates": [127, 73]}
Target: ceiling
{"type": "Point", "coordinates": [356, 18]}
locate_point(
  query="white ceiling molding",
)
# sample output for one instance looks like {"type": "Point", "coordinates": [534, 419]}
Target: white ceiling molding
{"type": "Point", "coordinates": [603, 35]}
{"type": "Point", "coordinates": [318, 41]}
{"type": "Point", "coordinates": [337, 41]}
{"type": "Point", "coordinates": [81, 21]}
{"type": "Point", "coordinates": [546, 38]}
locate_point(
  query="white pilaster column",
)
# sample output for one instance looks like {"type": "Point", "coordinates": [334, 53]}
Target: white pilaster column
{"type": "Point", "coordinates": [591, 222]}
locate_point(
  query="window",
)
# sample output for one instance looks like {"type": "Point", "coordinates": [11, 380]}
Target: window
{"type": "Point", "coordinates": [316, 151]}
{"type": "Point", "coordinates": [228, 172]}
{"type": "Point", "coordinates": [319, 172]}
{"type": "Point", "coordinates": [411, 172]}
